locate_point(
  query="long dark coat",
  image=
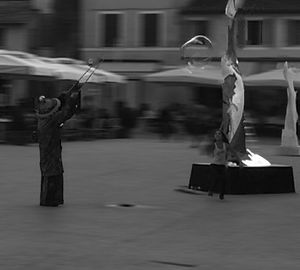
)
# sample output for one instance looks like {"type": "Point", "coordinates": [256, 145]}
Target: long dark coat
{"type": "Point", "coordinates": [49, 137]}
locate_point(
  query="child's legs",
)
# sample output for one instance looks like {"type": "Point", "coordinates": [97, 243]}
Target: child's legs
{"type": "Point", "coordinates": [223, 180]}
{"type": "Point", "coordinates": [218, 176]}
{"type": "Point", "coordinates": [212, 178]}
{"type": "Point", "coordinates": [216, 172]}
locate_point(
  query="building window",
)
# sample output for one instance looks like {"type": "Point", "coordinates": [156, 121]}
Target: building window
{"type": "Point", "coordinates": [150, 31]}
{"type": "Point", "coordinates": [111, 29]}
{"type": "Point", "coordinates": [254, 32]}
{"type": "Point", "coordinates": [293, 34]}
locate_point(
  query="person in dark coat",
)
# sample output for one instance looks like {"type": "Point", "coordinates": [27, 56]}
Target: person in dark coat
{"type": "Point", "coordinates": [51, 114]}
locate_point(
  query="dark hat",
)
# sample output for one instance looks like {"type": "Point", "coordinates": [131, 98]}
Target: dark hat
{"type": "Point", "coordinates": [47, 106]}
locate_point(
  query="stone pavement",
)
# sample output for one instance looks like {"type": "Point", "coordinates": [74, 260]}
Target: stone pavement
{"type": "Point", "coordinates": [157, 227]}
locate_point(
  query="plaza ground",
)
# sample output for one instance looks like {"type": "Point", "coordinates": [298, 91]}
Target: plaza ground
{"type": "Point", "coordinates": [167, 229]}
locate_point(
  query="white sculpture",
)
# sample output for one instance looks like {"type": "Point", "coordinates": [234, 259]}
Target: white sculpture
{"type": "Point", "coordinates": [289, 139]}
{"type": "Point", "coordinates": [233, 95]}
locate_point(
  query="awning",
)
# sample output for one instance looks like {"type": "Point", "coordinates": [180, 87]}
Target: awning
{"type": "Point", "coordinates": [9, 66]}
{"type": "Point", "coordinates": [206, 75]}
{"type": "Point", "coordinates": [22, 67]}
{"type": "Point", "coordinates": [99, 76]}
{"type": "Point", "coordinates": [66, 72]}
{"type": "Point", "coordinates": [21, 64]}
{"type": "Point", "coordinates": [103, 76]}
{"type": "Point", "coordinates": [272, 78]}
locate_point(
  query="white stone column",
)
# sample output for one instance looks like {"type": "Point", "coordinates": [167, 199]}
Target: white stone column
{"type": "Point", "coordinates": [289, 139]}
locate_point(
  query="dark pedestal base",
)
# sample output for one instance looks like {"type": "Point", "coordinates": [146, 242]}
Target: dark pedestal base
{"type": "Point", "coordinates": [246, 180]}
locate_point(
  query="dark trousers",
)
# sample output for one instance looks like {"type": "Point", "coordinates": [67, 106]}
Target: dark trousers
{"type": "Point", "coordinates": [218, 177]}
{"type": "Point", "coordinates": [52, 190]}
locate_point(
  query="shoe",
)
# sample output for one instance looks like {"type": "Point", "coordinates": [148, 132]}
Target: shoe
{"type": "Point", "coordinates": [221, 196]}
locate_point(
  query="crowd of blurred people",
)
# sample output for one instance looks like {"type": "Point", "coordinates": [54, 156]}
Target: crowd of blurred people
{"type": "Point", "coordinates": [175, 120]}
{"type": "Point", "coordinates": [193, 122]}
{"type": "Point", "coordinates": [179, 120]}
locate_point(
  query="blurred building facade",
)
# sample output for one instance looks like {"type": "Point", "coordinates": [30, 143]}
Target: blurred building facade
{"type": "Point", "coordinates": [267, 30]}
{"type": "Point", "coordinates": [56, 32]}
{"type": "Point", "coordinates": [44, 27]}
{"type": "Point", "coordinates": [17, 20]}
{"type": "Point", "coordinates": [267, 35]}
{"type": "Point", "coordinates": [136, 37]}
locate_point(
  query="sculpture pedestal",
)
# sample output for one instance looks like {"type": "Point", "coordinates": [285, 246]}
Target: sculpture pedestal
{"type": "Point", "coordinates": [246, 180]}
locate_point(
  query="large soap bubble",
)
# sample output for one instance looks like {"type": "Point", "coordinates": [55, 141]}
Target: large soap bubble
{"type": "Point", "coordinates": [197, 51]}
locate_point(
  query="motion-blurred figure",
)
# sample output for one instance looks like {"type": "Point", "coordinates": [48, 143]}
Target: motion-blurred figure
{"type": "Point", "coordinates": [219, 163]}
{"type": "Point", "coordinates": [51, 114]}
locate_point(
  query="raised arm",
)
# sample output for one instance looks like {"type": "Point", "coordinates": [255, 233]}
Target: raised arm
{"type": "Point", "coordinates": [70, 101]}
